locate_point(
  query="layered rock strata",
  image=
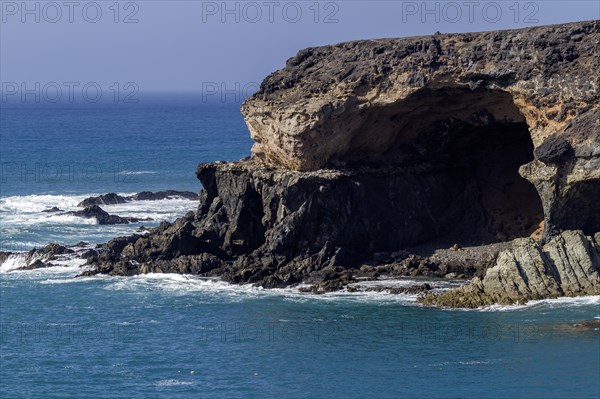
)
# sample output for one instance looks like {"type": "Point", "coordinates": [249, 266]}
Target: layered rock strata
{"type": "Point", "coordinates": [567, 265]}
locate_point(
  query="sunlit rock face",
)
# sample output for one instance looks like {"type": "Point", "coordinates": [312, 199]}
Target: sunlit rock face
{"type": "Point", "coordinates": [406, 101]}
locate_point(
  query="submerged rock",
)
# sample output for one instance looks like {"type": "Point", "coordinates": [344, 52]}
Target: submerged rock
{"type": "Point", "coordinates": [52, 210]}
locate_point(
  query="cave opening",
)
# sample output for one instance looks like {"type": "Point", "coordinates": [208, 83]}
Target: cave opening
{"type": "Point", "coordinates": [461, 150]}
{"type": "Point", "coordinates": [497, 203]}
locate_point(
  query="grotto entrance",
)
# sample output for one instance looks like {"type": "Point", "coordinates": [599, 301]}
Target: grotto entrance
{"type": "Point", "coordinates": [498, 204]}
{"type": "Point", "coordinates": [460, 151]}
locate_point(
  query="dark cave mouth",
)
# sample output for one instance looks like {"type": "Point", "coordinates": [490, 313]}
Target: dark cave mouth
{"type": "Point", "coordinates": [498, 203]}
{"type": "Point", "coordinates": [481, 152]}
{"type": "Point", "coordinates": [466, 148]}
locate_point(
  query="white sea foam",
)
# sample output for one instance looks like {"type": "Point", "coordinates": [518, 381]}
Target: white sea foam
{"type": "Point", "coordinates": [14, 261]}
{"type": "Point", "coordinates": [69, 219]}
{"type": "Point", "coordinates": [52, 281]}
{"type": "Point", "coordinates": [180, 284]}
{"type": "Point", "coordinates": [172, 382]}
{"type": "Point", "coordinates": [214, 289]}
{"type": "Point", "coordinates": [138, 172]}
{"type": "Point", "coordinates": [165, 209]}
{"type": "Point", "coordinates": [37, 203]}
{"type": "Point", "coordinates": [23, 215]}
{"type": "Point", "coordinates": [438, 285]}
{"type": "Point", "coordinates": [28, 209]}
{"type": "Point", "coordinates": [64, 265]}
{"type": "Point", "coordinates": [466, 362]}
{"type": "Point", "coordinates": [561, 302]}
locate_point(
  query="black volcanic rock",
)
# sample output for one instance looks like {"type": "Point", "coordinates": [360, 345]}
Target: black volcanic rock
{"type": "Point", "coordinates": [150, 196]}
{"type": "Point", "coordinates": [55, 249]}
{"type": "Point", "coordinates": [554, 150]}
{"type": "Point", "coordinates": [106, 199]}
{"type": "Point", "coordinates": [37, 264]}
{"type": "Point", "coordinates": [53, 209]}
{"type": "Point", "coordinates": [102, 216]}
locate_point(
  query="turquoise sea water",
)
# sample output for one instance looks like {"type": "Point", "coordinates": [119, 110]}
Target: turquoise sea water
{"type": "Point", "coordinates": [180, 336]}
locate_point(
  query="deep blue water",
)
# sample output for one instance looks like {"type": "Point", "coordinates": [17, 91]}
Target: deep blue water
{"type": "Point", "coordinates": [151, 145]}
{"type": "Point", "coordinates": [178, 336]}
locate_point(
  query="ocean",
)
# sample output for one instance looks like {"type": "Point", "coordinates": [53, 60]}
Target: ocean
{"type": "Point", "coordinates": [181, 336]}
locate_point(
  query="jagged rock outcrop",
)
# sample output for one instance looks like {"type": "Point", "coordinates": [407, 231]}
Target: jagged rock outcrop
{"type": "Point", "coordinates": [367, 148]}
{"type": "Point", "coordinates": [567, 265]}
{"type": "Point", "coordinates": [103, 217]}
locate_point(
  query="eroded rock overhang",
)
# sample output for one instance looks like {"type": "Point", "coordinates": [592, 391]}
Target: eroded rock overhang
{"type": "Point", "coordinates": [410, 102]}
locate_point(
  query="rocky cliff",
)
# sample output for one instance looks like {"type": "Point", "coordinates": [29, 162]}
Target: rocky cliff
{"type": "Point", "coordinates": [367, 152]}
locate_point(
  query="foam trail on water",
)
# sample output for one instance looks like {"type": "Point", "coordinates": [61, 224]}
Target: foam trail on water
{"type": "Point", "coordinates": [546, 303]}
{"type": "Point", "coordinates": [138, 172]}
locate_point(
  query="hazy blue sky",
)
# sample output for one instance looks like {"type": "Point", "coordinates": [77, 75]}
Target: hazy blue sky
{"type": "Point", "coordinates": [183, 45]}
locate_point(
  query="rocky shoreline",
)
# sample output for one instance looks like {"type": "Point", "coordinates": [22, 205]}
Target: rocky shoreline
{"type": "Point", "coordinates": [470, 156]}
{"type": "Point", "coordinates": [566, 265]}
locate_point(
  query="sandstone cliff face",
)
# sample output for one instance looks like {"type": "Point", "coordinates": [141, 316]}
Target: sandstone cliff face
{"type": "Point", "coordinates": [320, 107]}
{"type": "Point", "coordinates": [371, 147]}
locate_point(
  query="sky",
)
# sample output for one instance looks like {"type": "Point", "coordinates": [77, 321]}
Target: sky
{"type": "Point", "coordinates": [121, 47]}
